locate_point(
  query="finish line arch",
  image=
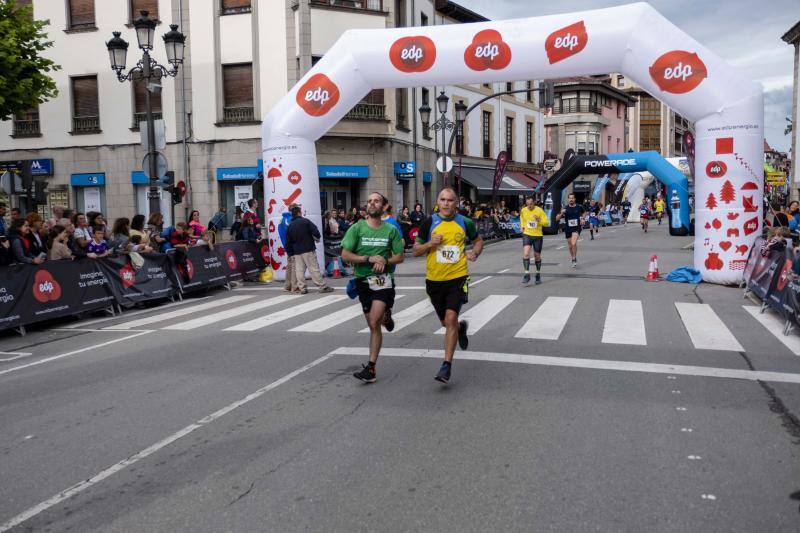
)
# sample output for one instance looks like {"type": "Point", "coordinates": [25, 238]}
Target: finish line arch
{"type": "Point", "coordinates": [634, 39]}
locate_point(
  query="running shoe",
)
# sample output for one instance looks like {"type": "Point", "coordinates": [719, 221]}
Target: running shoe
{"type": "Point", "coordinates": [388, 321]}
{"type": "Point", "coordinates": [526, 278]}
{"type": "Point", "coordinates": [574, 263]}
{"type": "Point", "coordinates": [463, 341]}
{"type": "Point", "coordinates": [326, 288]}
{"type": "Point", "coordinates": [538, 279]}
{"type": "Point", "coordinates": [366, 374]}
{"type": "Point", "coordinates": [444, 373]}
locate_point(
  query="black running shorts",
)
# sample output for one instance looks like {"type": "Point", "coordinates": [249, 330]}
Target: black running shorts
{"type": "Point", "coordinates": [366, 295]}
{"type": "Point", "coordinates": [446, 295]}
{"type": "Point", "coordinates": [536, 242]}
{"type": "Point", "coordinates": [568, 232]}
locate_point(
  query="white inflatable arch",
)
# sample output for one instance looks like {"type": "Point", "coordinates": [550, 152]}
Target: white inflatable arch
{"type": "Point", "coordinates": [634, 40]}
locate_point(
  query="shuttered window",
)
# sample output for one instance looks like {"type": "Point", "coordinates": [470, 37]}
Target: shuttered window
{"type": "Point", "coordinates": [237, 86]}
{"type": "Point", "coordinates": [235, 6]}
{"type": "Point", "coordinates": [85, 107]}
{"type": "Point", "coordinates": [81, 14]}
{"type": "Point", "coordinates": [151, 6]}
{"type": "Point", "coordinates": [139, 98]}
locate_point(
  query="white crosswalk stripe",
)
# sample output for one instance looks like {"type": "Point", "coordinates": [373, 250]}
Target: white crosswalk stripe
{"type": "Point", "coordinates": [231, 313]}
{"type": "Point", "coordinates": [190, 310]}
{"type": "Point", "coordinates": [774, 325]}
{"type": "Point", "coordinates": [705, 328]}
{"type": "Point", "coordinates": [549, 320]}
{"type": "Point", "coordinates": [334, 319]}
{"type": "Point", "coordinates": [624, 323]}
{"type": "Point", "coordinates": [482, 312]}
{"type": "Point", "coordinates": [285, 314]}
{"type": "Point", "coordinates": [409, 316]}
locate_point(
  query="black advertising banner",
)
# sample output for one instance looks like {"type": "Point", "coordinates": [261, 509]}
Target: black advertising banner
{"type": "Point", "coordinates": [762, 278]}
{"type": "Point", "coordinates": [155, 279]}
{"type": "Point", "coordinates": [32, 293]}
{"type": "Point", "coordinates": [202, 268]}
{"type": "Point", "coordinates": [787, 288]}
{"type": "Point", "coordinates": [244, 260]}
{"type": "Point", "coordinates": [755, 250]}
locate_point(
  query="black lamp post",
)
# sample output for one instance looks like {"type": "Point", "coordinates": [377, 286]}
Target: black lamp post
{"type": "Point", "coordinates": [443, 124]}
{"type": "Point", "coordinates": [148, 71]}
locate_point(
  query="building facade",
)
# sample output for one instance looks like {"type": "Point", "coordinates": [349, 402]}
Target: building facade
{"type": "Point", "coordinates": [241, 57]}
{"type": "Point", "coordinates": [792, 37]}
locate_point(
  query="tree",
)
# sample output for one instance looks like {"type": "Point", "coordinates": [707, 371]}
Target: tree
{"type": "Point", "coordinates": [24, 82]}
{"type": "Point", "coordinates": [711, 202]}
{"type": "Point", "coordinates": [728, 193]}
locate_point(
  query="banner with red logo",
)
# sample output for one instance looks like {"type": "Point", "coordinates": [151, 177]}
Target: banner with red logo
{"type": "Point", "coordinates": [200, 268]}
{"type": "Point", "coordinates": [243, 260]}
{"type": "Point", "coordinates": [788, 286]}
{"type": "Point", "coordinates": [155, 279]}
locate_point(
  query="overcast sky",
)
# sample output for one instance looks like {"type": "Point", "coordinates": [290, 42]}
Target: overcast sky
{"type": "Point", "coordinates": [746, 33]}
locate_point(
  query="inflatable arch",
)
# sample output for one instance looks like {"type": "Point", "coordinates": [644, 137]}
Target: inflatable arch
{"type": "Point", "coordinates": [677, 183]}
{"type": "Point", "coordinates": [634, 39]}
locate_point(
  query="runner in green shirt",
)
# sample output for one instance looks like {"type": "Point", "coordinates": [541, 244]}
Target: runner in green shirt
{"type": "Point", "coordinates": [374, 247]}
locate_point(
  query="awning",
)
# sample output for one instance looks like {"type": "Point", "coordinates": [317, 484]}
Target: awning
{"type": "Point", "coordinates": [512, 183]}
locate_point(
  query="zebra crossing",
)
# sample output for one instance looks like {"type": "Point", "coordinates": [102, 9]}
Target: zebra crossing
{"type": "Point", "coordinates": [624, 320]}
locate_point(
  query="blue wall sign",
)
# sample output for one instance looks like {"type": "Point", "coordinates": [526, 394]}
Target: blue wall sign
{"type": "Point", "coordinates": [343, 171]}
{"type": "Point", "coordinates": [427, 177]}
{"type": "Point", "coordinates": [88, 179]}
{"type": "Point", "coordinates": [238, 174]}
{"type": "Point", "coordinates": [41, 167]}
{"type": "Point", "coordinates": [404, 169]}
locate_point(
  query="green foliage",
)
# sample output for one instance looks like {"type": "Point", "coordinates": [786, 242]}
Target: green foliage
{"type": "Point", "coordinates": [24, 82]}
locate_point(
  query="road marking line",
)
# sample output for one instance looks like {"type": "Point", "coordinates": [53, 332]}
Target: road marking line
{"type": "Point", "coordinates": [624, 323]}
{"type": "Point", "coordinates": [594, 364]}
{"type": "Point", "coordinates": [482, 312]}
{"type": "Point", "coordinates": [409, 315]}
{"type": "Point", "coordinates": [13, 356]}
{"type": "Point", "coordinates": [135, 458]}
{"type": "Point", "coordinates": [561, 247]}
{"type": "Point", "coordinates": [774, 325]}
{"type": "Point", "coordinates": [686, 430]}
{"type": "Point", "coordinates": [706, 329]}
{"type": "Point", "coordinates": [480, 281]}
{"type": "Point", "coordinates": [285, 314]}
{"type": "Point", "coordinates": [161, 317]}
{"type": "Point", "coordinates": [85, 323]}
{"type": "Point", "coordinates": [708, 496]}
{"type": "Point", "coordinates": [73, 352]}
{"type": "Point", "coordinates": [504, 271]}
{"type": "Point", "coordinates": [334, 319]}
{"type": "Point", "coordinates": [549, 320]}
{"type": "Point", "coordinates": [230, 313]}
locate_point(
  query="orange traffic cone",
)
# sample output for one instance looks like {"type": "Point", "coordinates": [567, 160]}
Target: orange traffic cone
{"type": "Point", "coordinates": [652, 272]}
{"type": "Point", "coordinates": [337, 273]}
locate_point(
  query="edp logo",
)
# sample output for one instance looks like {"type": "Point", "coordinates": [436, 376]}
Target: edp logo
{"type": "Point", "coordinates": [568, 41]}
{"type": "Point", "coordinates": [487, 50]}
{"type": "Point", "coordinates": [678, 72]}
{"type": "Point", "coordinates": [319, 95]}
{"type": "Point", "coordinates": [414, 54]}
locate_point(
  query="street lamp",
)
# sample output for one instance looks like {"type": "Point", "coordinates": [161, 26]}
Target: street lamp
{"type": "Point", "coordinates": [149, 72]}
{"type": "Point", "coordinates": [443, 124]}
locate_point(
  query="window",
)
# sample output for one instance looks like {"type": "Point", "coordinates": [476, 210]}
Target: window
{"type": "Point", "coordinates": [399, 13]}
{"type": "Point", "coordinates": [510, 137]}
{"type": "Point", "coordinates": [650, 137]}
{"type": "Point", "coordinates": [650, 110]}
{"type": "Point", "coordinates": [509, 86]}
{"type": "Point", "coordinates": [137, 6]}
{"type": "Point", "coordinates": [608, 144]}
{"type": "Point", "coordinates": [529, 94]}
{"type": "Point", "coordinates": [231, 7]}
{"type": "Point", "coordinates": [460, 138]}
{"type": "Point", "coordinates": [401, 102]}
{"type": "Point", "coordinates": [423, 19]}
{"type": "Point", "coordinates": [371, 5]}
{"type": "Point", "coordinates": [26, 123]}
{"type": "Point", "coordinates": [371, 107]}
{"type": "Point", "coordinates": [486, 134]}
{"type": "Point", "coordinates": [487, 85]}
{"type": "Point", "coordinates": [81, 14]}
{"type": "Point", "coordinates": [620, 81]}
{"type": "Point", "coordinates": [529, 142]}
{"type": "Point", "coordinates": [618, 147]}
{"type": "Point", "coordinates": [237, 87]}
{"type": "Point", "coordinates": [85, 107]}
{"type": "Point", "coordinates": [619, 109]}
{"type": "Point", "coordinates": [140, 104]}
{"type": "Point", "coordinates": [426, 127]}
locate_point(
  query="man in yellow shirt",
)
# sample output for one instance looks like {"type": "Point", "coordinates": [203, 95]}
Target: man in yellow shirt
{"type": "Point", "coordinates": [442, 239]}
{"type": "Point", "coordinates": [659, 206]}
{"type": "Point", "coordinates": [532, 219]}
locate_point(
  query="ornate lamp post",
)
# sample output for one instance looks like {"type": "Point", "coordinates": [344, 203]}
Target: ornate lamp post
{"type": "Point", "coordinates": [443, 124]}
{"type": "Point", "coordinates": [148, 71]}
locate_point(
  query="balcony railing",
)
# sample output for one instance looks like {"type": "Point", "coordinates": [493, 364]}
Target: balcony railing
{"type": "Point", "coordinates": [235, 115]}
{"type": "Point", "coordinates": [369, 5]}
{"type": "Point", "coordinates": [26, 128]}
{"type": "Point", "coordinates": [141, 117]}
{"type": "Point", "coordinates": [85, 124]}
{"type": "Point", "coordinates": [573, 106]}
{"type": "Point", "coordinates": [365, 111]}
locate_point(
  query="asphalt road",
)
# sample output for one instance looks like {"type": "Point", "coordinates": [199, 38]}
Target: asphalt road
{"type": "Point", "coordinates": [593, 402]}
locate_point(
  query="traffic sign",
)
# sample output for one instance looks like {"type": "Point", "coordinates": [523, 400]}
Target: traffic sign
{"type": "Point", "coordinates": [444, 164]}
{"type": "Point", "coordinates": [160, 134]}
{"type": "Point", "coordinates": [161, 165]}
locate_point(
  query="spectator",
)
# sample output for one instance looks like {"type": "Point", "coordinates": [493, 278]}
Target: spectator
{"type": "Point", "coordinates": [330, 224]}
{"type": "Point", "coordinates": [179, 238]}
{"type": "Point", "coordinates": [387, 217]}
{"type": "Point", "coordinates": [139, 244]}
{"type": "Point", "coordinates": [362, 213]}
{"type": "Point", "coordinates": [195, 227]}
{"type": "Point", "coordinates": [98, 247]}
{"type": "Point", "coordinates": [96, 220]}
{"type": "Point", "coordinates": [155, 225]}
{"type": "Point", "coordinates": [217, 222]}
{"type": "Point", "coordinates": [354, 214]}
{"type": "Point", "coordinates": [82, 235]}
{"type": "Point", "coordinates": [776, 241]}
{"type": "Point", "coordinates": [236, 227]}
{"type": "Point", "coordinates": [780, 218]}
{"type": "Point", "coordinates": [207, 239]}
{"type": "Point", "coordinates": [38, 240]}
{"type": "Point", "coordinates": [57, 244]}
{"type": "Point", "coordinates": [252, 212]}
{"type": "Point", "coordinates": [15, 213]}
{"type": "Point", "coordinates": [341, 219]}
{"type": "Point", "coordinates": [249, 231]}
{"type": "Point", "coordinates": [301, 238]}
{"type": "Point", "coordinates": [58, 214]}
{"type": "Point", "coordinates": [3, 228]}
{"type": "Point", "coordinates": [417, 215]}
{"type": "Point", "coordinates": [120, 234]}
{"type": "Point", "coordinates": [6, 255]}
{"type": "Point", "coordinates": [405, 216]}
{"type": "Point", "coordinates": [20, 235]}
{"type": "Point", "coordinates": [794, 215]}
{"type": "Point", "coordinates": [137, 226]}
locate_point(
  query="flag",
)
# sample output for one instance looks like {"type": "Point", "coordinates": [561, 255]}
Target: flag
{"type": "Point", "coordinates": [499, 170]}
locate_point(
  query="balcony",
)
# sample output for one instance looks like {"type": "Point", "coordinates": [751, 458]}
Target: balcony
{"type": "Point", "coordinates": [28, 127]}
{"type": "Point", "coordinates": [141, 117]}
{"type": "Point", "coordinates": [85, 125]}
{"type": "Point", "coordinates": [573, 106]}
{"type": "Point", "coordinates": [238, 115]}
{"type": "Point", "coordinates": [365, 111]}
{"type": "Point", "coordinates": [366, 5]}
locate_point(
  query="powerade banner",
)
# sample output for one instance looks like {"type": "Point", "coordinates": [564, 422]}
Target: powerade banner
{"type": "Point", "coordinates": [155, 279]}
{"type": "Point", "coordinates": [598, 187]}
{"type": "Point", "coordinates": [510, 227]}
{"type": "Point", "coordinates": [33, 293]}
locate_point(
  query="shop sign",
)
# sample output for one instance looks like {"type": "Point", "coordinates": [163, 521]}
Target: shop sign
{"type": "Point", "coordinates": [404, 169]}
{"type": "Point", "coordinates": [581, 186]}
{"type": "Point", "coordinates": [343, 171]}
{"type": "Point", "coordinates": [89, 179]}
{"type": "Point", "coordinates": [238, 174]}
{"type": "Point", "coordinates": [776, 178]}
{"type": "Point", "coordinates": [427, 177]}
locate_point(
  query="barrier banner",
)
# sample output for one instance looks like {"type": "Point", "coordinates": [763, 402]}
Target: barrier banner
{"type": "Point", "coordinates": [33, 293]}
{"type": "Point", "coordinates": [155, 279]}
{"type": "Point", "coordinates": [510, 227]}
{"type": "Point", "coordinates": [202, 268]}
{"type": "Point", "coordinates": [763, 277]}
{"type": "Point", "coordinates": [244, 260]}
{"type": "Point", "coordinates": [787, 288]}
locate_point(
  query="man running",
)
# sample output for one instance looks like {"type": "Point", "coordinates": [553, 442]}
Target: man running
{"type": "Point", "coordinates": [442, 238]}
{"type": "Point", "coordinates": [626, 210]}
{"type": "Point", "coordinates": [659, 206]}
{"type": "Point", "coordinates": [573, 216]}
{"type": "Point", "coordinates": [532, 218]}
{"type": "Point", "coordinates": [644, 213]}
{"type": "Point", "coordinates": [374, 247]}
{"type": "Point", "coordinates": [594, 218]}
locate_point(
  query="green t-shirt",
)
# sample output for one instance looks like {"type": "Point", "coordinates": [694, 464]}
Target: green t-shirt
{"type": "Point", "coordinates": [363, 240]}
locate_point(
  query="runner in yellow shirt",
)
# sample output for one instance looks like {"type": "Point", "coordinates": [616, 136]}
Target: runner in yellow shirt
{"type": "Point", "coordinates": [532, 219]}
{"type": "Point", "coordinates": [659, 206]}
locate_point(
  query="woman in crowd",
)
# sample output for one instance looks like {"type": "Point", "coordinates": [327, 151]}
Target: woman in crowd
{"type": "Point", "coordinates": [249, 231]}
{"type": "Point", "coordinates": [341, 219]}
{"type": "Point", "coordinates": [155, 226]}
{"type": "Point", "coordinates": [120, 234]}
{"type": "Point", "coordinates": [195, 227]}
{"type": "Point", "coordinates": [96, 220]}
{"type": "Point", "coordinates": [20, 236]}
{"type": "Point", "coordinates": [405, 216]}
{"type": "Point", "coordinates": [82, 235]}
{"type": "Point", "coordinates": [207, 239]}
{"type": "Point", "coordinates": [38, 239]}
{"type": "Point", "coordinates": [57, 244]}
{"type": "Point", "coordinates": [137, 226]}
{"type": "Point", "coordinates": [236, 227]}
{"type": "Point", "coordinates": [417, 215]}
{"type": "Point", "coordinates": [330, 224]}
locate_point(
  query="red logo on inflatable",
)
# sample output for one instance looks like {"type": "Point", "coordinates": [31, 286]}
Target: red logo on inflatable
{"type": "Point", "coordinates": [265, 252]}
{"type": "Point", "coordinates": [713, 262]}
{"type": "Point", "coordinates": [230, 258]}
{"type": "Point", "coordinates": [294, 177]}
{"type": "Point", "coordinates": [716, 169]}
{"type": "Point", "coordinates": [751, 226]}
{"type": "Point", "coordinates": [45, 287]}
{"type": "Point", "coordinates": [413, 54]}
{"type": "Point", "coordinates": [678, 71]}
{"type": "Point", "coordinates": [318, 95]}
{"type": "Point", "coordinates": [127, 276]}
{"type": "Point", "coordinates": [566, 42]}
{"type": "Point", "coordinates": [487, 51]}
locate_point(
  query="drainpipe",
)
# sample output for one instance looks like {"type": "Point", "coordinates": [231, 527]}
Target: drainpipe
{"type": "Point", "coordinates": [186, 173]}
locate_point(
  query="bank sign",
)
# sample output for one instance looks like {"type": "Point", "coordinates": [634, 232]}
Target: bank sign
{"type": "Point", "coordinates": [41, 167]}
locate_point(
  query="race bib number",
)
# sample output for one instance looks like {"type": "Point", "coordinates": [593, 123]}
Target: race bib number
{"type": "Point", "coordinates": [572, 222]}
{"type": "Point", "coordinates": [533, 224]}
{"type": "Point", "coordinates": [379, 283]}
{"type": "Point", "coordinates": [643, 211]}
{"type": "Point", "coordinates": [448, 254]}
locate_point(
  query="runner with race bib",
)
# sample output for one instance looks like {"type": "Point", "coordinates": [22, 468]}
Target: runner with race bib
{"type": "Point", "coordinates": [644, 213]}
{"type": "Point", "coordinates": [442, 238]}
{"type": "Point", "coordinates": [573, 215]}
{"type": "Point", "coordinates": [532, 219]}
{"type": "Point", "coordinates": [374, 248]}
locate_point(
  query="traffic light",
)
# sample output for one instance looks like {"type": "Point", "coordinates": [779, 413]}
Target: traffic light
{"type": "Point", "coordinates": [546, 93]}
{"type": "Point", "coordinates": [167, 182]}
{"type": "Point", "coordinates": [40, 192]}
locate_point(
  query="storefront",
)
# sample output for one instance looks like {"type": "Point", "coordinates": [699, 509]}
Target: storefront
{"type": "Point", "coordinates": [239, 184]}
{"type": "Point", "coordinates": [141, 185]}
{"type": "Point", "coordinates": [340, 185]}
{"type": "Point", "coordinates": [90, 191]}
{"type": "Point", "coordinates": [477, 183]}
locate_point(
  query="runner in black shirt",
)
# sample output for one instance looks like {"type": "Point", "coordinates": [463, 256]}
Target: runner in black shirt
{"type": "Point", "coordinates": [573, 215]}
